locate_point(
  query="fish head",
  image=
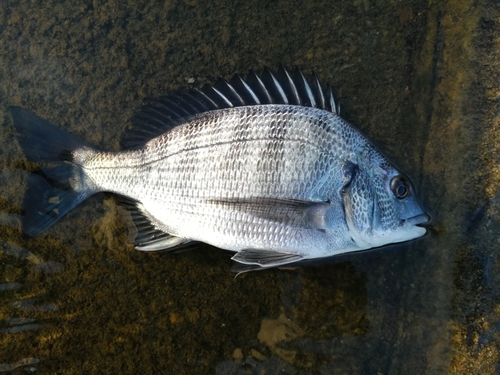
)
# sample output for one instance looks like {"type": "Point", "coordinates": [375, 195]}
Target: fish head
{"type": "Point", "coordinates": [380, 202]}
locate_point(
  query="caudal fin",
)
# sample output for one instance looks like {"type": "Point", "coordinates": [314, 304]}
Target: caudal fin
{"type": "Point", "coordinates": [41, 140]}
{"type": "Point", "coordinates": [50, 193]}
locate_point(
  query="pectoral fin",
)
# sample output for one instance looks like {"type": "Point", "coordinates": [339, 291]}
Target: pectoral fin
{"type": "Point", "coordinates": [265, 258]}
{"type": "Point", "coordinates": [294, 212]}
{"type": "Point", "coordinates": [165, 243]}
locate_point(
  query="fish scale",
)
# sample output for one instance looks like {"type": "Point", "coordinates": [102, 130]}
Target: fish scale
{"type": "Point", "coordinates": [276, 183]}
{"type": "Point", "coordinates": [205, 164]}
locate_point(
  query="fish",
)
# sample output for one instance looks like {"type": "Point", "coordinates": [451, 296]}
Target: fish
{"type": "Point", "coordinates": [262, 166]}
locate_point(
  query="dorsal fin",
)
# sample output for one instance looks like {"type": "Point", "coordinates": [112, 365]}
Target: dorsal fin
{"type": "Point", "coordinates": [157, 116]}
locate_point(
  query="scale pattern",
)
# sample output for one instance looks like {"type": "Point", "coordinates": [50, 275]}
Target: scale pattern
{"type": "Point", "coordinates": [184, 176]}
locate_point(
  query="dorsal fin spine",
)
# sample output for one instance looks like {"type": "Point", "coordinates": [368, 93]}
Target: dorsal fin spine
{"type": "Point", "coordinates": [266, 99]}
{"type": "Point", "coordinates": [331, 100]}
{"type": "Point", "coordinates": [206, 97]}
{"type": "Point", "coordinates": [249, 90]}
{"type": "Point", "coordinates": [307, 88]}
{"type": "Point", "coordinates": [223, 97]}
{"type": "Point", "coordinates": [227, 86]}
{"type": "Point", "coordinates": [316, 86]}
{"type": "Point", "coordinates": [275, 83]}
{"type": "Point", "coordinates": [293, 95]}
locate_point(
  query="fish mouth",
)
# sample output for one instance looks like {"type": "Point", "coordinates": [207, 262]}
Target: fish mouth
{"type": "Point", "coordinates": [419, 220]}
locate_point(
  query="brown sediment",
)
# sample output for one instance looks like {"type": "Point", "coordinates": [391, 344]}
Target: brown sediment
{"type": "Point", "coordinates": [419, 78]}
{"type": "Point", "coordinates": [476, 339]}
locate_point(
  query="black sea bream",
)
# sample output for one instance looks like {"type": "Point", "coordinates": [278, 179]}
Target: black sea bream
{"type": "Point", "coordinates": [264, 167]}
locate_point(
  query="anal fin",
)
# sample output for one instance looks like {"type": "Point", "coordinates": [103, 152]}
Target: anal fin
{"type": "Point", "coordinates": [145, 234]}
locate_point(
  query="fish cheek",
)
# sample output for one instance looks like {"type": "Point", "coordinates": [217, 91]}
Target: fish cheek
{"type": "Point", "coordinates": [359, 199]}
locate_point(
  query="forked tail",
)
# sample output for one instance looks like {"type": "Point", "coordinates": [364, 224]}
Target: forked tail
{"type": "Point", "coordinates": [51, 192]}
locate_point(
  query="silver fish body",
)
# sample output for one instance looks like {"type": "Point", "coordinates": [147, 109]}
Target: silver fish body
{"type": "Point", "coordinates": [276, 183]}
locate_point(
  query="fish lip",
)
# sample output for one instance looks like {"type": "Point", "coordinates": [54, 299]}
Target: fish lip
{"type": "Point", "coordinates": [419, 220]}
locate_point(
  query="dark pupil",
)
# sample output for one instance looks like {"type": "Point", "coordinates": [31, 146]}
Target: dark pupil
{"type": "Point", "coordinates": [400, 189]}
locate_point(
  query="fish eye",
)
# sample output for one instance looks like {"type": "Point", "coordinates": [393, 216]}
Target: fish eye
{"type": "Point", "coordinates": [400, 187]}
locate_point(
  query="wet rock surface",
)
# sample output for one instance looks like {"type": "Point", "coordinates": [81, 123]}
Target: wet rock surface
{"type": "Point", "coordinates": [420, 79]}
